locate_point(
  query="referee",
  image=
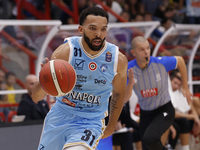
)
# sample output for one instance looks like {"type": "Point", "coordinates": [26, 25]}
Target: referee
{"type": "Point", "coordinates": [148, 77]}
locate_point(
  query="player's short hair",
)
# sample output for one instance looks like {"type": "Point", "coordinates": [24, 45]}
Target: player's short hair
{"type": "Point", "coordinates": [96, 11]}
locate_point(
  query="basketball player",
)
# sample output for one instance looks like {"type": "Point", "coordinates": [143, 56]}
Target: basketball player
{"type": "Point", "coordinates": [76, 121]}
{"type": "Point", "coordinates": [148, 76]}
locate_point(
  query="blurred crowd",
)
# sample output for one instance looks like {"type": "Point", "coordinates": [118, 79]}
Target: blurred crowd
{"type": "Point", "coordinates": [177, 11]}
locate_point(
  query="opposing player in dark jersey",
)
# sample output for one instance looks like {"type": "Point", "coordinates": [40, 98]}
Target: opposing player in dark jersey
{"type": "Point", "coordinates": [76, 121]}
{"type": "Point", "coordinates": [148, 77]}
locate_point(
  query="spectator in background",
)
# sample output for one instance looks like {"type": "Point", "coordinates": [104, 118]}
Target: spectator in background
{"type": "Point", "coordinates": [27, 107]}
{"type": "Point", "coordinates": [156, 35]}
{"type": "Point", "coordinates": [123, 4]}
{"type": "Point", "coordinates": [125, 15]}
{"type": "Point", "coordinates": [115, 6]}
{"type": "Point", "coordinates": [10, 81]}
{"type": "Point", "coordinates": [148, 16]}
{"type": "Point", "coordinates": [67, 19]}
{"type": "Point", "coordinates": [186, 117]}
{"type": "Point", "coordinates": [155, 7]}
{"type": "Point", "coordinates": [193, 11]}
{"type": "Point", "coordinates": [166, 23]}
{"type": "Point", "coordinates": [175, 15]}
{"type": "Point", "coordinates": [3, 98]}
{"type": "Point", "coordinates": [139, 18]}
{"type": "Point", "coordinates": [169, 13]}
{"type": "Point", "coordinates": [2, 85]}
{"type": "Point", "coordinates": [133, 8]}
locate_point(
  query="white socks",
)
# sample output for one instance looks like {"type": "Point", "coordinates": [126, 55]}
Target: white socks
{"type": "Point", "coordinates": [185, 147]}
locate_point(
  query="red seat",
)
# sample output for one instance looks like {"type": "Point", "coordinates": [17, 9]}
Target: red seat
{"type": "Point", "coordinates": [2, 116]}
{"type": "Point", "coordinates": [10, 115]}
{"type": "Point", "coordinates": [197, 94]}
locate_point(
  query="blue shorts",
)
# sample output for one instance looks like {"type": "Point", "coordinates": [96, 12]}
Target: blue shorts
{"type": "Point", "coordinates": [62, 129]}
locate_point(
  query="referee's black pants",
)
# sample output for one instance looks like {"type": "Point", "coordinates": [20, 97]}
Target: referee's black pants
{"type": "Point", "coordinates": [153, 124]}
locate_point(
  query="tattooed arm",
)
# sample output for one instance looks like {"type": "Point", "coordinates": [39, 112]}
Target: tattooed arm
{"type": "Point", "coordinates": [118, 94]}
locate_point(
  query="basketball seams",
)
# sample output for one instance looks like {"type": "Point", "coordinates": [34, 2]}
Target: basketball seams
{"type": "Point", "coordinates": [41, 79]}
{"type": "Point", "coordinates": [54, 77]}
{"type": "Point", "coordinates": [69, 76]}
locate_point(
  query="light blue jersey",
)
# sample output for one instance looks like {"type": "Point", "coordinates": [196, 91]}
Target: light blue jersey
{"type": "Point", "coordinates": [89, 98]}
{"type": "Point", "coordinates": [151, 83]}
{"type": "Point", "coordinates": [78, 118]}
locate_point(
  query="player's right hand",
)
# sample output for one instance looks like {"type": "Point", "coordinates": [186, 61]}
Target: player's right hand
{"type": "Point", "coordinates": [46, 60]}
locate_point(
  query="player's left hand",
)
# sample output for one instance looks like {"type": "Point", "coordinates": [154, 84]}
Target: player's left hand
{"type": "Point", "coordinates": [187, 94]}
{"type": "Point", "coordinates": [108, 132]}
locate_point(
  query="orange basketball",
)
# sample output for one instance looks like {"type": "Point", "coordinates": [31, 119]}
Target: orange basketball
{"type": "Point", "coordinates": [57, 77]}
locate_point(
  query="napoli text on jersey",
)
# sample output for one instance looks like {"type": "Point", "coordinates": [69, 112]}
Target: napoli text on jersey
{"type": "Point", "coordinates": [151, 83]}
{"type": "Point", "coordinates": [94, 80]}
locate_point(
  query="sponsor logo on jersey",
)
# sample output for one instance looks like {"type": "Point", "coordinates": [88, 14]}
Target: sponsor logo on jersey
{"type": "Point", "coordinates": [158, 77]}
{"type": "Point", "coordinates": [78, 87]}
{"type": "Point", "coordinates": [78, 96]}
{"type": "Point", "coordinates": [92, 66]}
{"type": "Point", "coordinates": [149, 92]}
{"type": "Point", "coordinates": [103, 67]}
{"type": "Point", "coordinates": [100, 81]}
{"type": "Point", "coordinates": [81, 78]}
{"type": "Point", "coordinates": [68, 102]}
{"type": "Point", "coordinates": [79, 64]}
{"type": "Point", "coordinates": [108, 57]}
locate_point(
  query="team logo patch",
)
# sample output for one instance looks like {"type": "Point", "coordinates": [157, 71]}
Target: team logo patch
{"type": "Point", "coordinates": [104, 68]}
{"type": "Point", "coordinates": [149, 92]}
{"type": "Point", "coordinates": [68, 102]}
{"type": "Point", "coordinates": [92, 66]}
{"type": "Point", "coordinates": [108, 57]}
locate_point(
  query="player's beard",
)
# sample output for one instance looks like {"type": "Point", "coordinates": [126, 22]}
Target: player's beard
{"type": "Point", "coordinates": [89, 43]}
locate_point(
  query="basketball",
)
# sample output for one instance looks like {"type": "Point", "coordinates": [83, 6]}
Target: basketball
{"type": "Point", "coordinates": [57, 77]}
